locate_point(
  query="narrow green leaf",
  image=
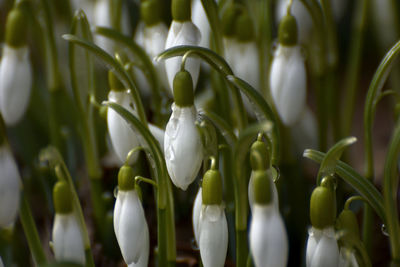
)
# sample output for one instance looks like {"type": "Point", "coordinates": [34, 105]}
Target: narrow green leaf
{"type": "Point", "coordinates": [224, 128]}
{"type": "Point", "coordinates": [363, 186]}
{"type": "Point", "coordinates": [211, 8]}
{"type": "Point", "coordinates": [327, 166]}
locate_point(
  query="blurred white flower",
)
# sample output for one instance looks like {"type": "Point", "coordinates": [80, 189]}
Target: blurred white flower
{"type": "Point", "coordinates": [158, 134]}
{"type": "Point", "coordinates": [275, 198]}
{"type": "Point", "coordinates": [306, 135]}
{"type": "Point", "coordinates": [347, 258]}
{"type": "Point", "coordinates": [15, 83]}
{"type": "Point", "coordinates": [10, 186]}
{"type": "Point", "coordinates": [183, 149]}
{"type": "Point", "coordinates": [1, 263]}
{"type": "Point", "coordinates": [196, 214]}
{"type": "Point", "coordinates": [182, 33]}
{"type": "Point", "coordinates": [322, 248]}
{"type": "Point", "coordinates": [213, 235]}
{"type": "Point", "coordinates": [102, 17]}
{"type": "Point", "coordinates": [130, 228]}
{"type": "Point", "coordinates": [123, 138]}
{"type": "Point", "coordinates": [288, 83]}
{"type": "Point", "coordinates": [67, 239]}
{"type": "Point", "coordinates": [199, 18]}
{"type": "Point", "coordinates": [268, 239]}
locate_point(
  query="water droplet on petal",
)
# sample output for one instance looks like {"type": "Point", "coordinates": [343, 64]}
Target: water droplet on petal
{"type": "Point", "coordinates": [384, 230]}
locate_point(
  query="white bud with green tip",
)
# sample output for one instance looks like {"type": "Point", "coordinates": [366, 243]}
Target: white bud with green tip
{"type": "Point", "coordinates": [213, 227]}
{"type": "Point", "coordinates": [67, 235]}
{"type": "Point", "coordinates": [10, 186]}
{"type": "Point", "coordinates": [15, 68]}
{"type": "Point", "coordinates": [182, 32]}
{"type": "Point", "coordinates": [130, 224]}
{"type": "Point", "coordinates": [123, 138]}
{"type": "Point", "coordinates": [288, 79]}
{"type": "Point", "coordinates": [268, 238]}
{"type": "Point", "coordinates": [183, 148]}
{"type": "Point", "coordinates": [322, 247]}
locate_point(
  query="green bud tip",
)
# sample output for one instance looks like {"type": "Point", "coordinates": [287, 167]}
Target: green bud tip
{"type": "Point", "coordinates": [244, 27]}
{"type": "Point", "coordinates": [62, 198]}
{"type": "Point", "coordinates": [212, 188]}
{"type": "Point", "coordinates": [183, 89]}
{"type": "Point", "coordinates": [322, 207]}
{"type": "Point", "coordinates": [151, 12]}
{"type": "Point", "coordinates": [228, 20]}
{"type": "Point", "coordinates": [262, 187]}
{"type": "Point", "coordinates": [288, 31]}
{"type": "Point", "coordinates": [259, 156]}
{"type": "Point", "coordinates": [114, 82]}
{"type": "Point", "coordinates": [347, 222]}
{"type": "Point", "coordinates": [181, 10]}
{"type": "Point", "coordinates": [126, 178]}
{"type": "Point", "coordinates": [16, 27]}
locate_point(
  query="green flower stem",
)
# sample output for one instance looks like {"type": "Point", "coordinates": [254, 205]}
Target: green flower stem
{"type": "Point", "coordinates": [211, 8]}
{"type": "Point", "coordinates": [351, 199]}
{"type": "Point", "coordinates": [390, 188]}
{"type": "Point", "coordinates": [354, 65]}
{"type": "Point", "coordinates": [31, 232]}
{"type": "Point", "coordinates": [373, 96]}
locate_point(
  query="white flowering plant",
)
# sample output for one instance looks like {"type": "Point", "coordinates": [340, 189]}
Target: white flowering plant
{"type": "Point", "coordinates": [175, 133]}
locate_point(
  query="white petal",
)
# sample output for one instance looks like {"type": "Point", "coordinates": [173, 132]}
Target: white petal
{"type": "Point", "coordinates": [185, 33]}
{"type": "Point", "coordinates": [199, 18]}
{"type": "Point", "coordinates": [10, 184]}
{"type": "Point", "coordinates": [198, 202]}
{"type": "Point", "coordinates": [123, 138]}
{"type": "Point", "coordinates": [213, 236]}
{"type": "Point", "coordinates": [250, 191]}
{"type": "Point", "coordinates": [183, 149]}
{"type": "Point", "coordinates": [303, 18]}
{"type": "Point", "coordinates": [158, 134]}
{"type": "Point", "coordinates": [102, 17]}
{"type": "Point", "coordinates": [268, 239]}
{"type": "Point", "coordinates": [15, 83]}
{"type": "Point", "coordinates": [288, 83]}
{"type": "Point", "coordinates": [129, 225]}
{"type": "Point", "coordinates": [314, 235]}
{"type": "Point", "coordinates": [67, 239]}
{"type": "Point", "coordinates": [144, 255]}
{"type": "Point", "coordinates": [327, 252]}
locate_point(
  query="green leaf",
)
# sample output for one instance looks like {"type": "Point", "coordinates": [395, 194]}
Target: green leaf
{"type": "Point", "coordinates": [363, 186]}
{"type": "Point", "coordinates": [263, 112]}
{"type": "Point", "coordinates": [211, 8]}
{"type": "Point", "coordinates": [224, 128]}
{"type": "Point", "coordinates": [331, 158]}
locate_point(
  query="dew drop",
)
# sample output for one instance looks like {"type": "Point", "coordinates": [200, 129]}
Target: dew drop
{"type": "Point", "coordinates": [193, 244]}
{"type": "Point", "coordinates": [384, 230]}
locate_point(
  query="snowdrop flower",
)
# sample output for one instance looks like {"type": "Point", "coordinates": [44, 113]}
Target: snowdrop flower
{"type": "Point", "coordinates": [288, 74]}
{"type": "Point", "coordinates": [196, 214]}
{"type": "Point", "coordinates": [213, 228]}
{"type": "Point", "coordinates": [199, 18]}
{"type": "Point", "coordinates": [102, 17]}
{"type": "Point", "coordinates": [384, 19]}
{"type": "Point", "coordinates": [15, 69]}
{"type": "Point", "coordinates": [182, 32]}
{"type": "Point", "coordinates": [183, 149]}
{"type": "Point", "coordinates": [268, 238]}
{"type": "Point", "coordinates": [322, 247]}
{"type": "Point", "coordinates": [10, 186]}
{"type": "Point", "coordinates": [305, 135]}
{"type": "Point", "coordinates": [67, 236]}
{"type": "Point", "coordinates": [123, 138]}
{"type": "Point", "coordinates": [347, 258]}
{"type": "Point", "coordinates": [130, 224]}
{"type": "Point", "coordinates": [301, 14]}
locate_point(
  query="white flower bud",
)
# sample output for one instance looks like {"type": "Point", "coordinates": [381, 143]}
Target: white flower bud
{"type": "Point", "coordinates": [182, 33]}
{"type": "Point", "coordinates": [123, 138]}
{"type": "Point", "coordinates": [15, 83]}
{"type": "Point", "coordinates": [196, 214]}
{"type": "Point", "coordinates": [144, 255]}
{"type": "Point", "coordinates": [199, 18]}
{"type": "Point", "coordinates": [322, 248]}
{"type": "Point", "coordinates": [130, 227]}
{"type": "Point", "coordinates": [288, 83]}
{"type": "Point", "coordinates": [183, 149]}
{"type": "Point", "coordinates": [250, 190]}
{"type": "Point", "coordinates": [213, 235]}
{"type": "Point", "coordinates": [268, 239]}
{"type": "Point", "coordinates": [10, 186]}
{"type": "Point", "coordinates": [67, 239]}
{"type": "Point", "coordinates": [347, 258]}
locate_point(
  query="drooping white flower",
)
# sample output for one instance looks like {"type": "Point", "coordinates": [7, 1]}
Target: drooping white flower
{"type": "Point", "coordinates": [199, 18]}
{"type": "Point", "coordinates": [15, 83]}
{"type": "Point", "coordinates": [268, 239]}
{"type": "Point", "coordinates": [183, 149]}
{"type": "Point", "coordinates": [213, 235]}
{"type": "Point", "coordinates": [288, 83]}
{"type": "Point", "coordinates": [67, 239]}
{"type": "Point", "coordinates": [144, 256]}
{"type": "Point", "coordinates": [182, 33]}
{"type": "Point", "coordinates": [347, 258]}
{"type": "Point", "coordinates": [196, 214]}
{"type": "Point", "coordinates": [130, 226]}
{"type": "Point", "coordinates": [306, 135]}
{"type": "Point", "coordinates": [322, 248]}
{"type": "Point", "coordinates": [10, 186]}
{"type": "Point", "coordinates": [102, 17]}
{"type": "Point", "coordinates": [123, 138]}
